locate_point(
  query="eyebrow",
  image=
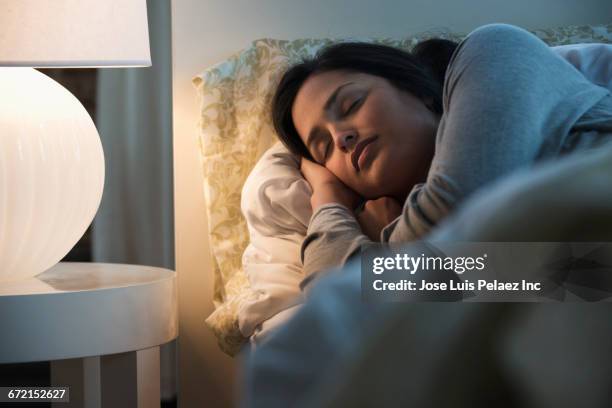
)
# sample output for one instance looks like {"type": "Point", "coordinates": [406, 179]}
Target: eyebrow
{"type": "Point", "coordinates": [330, 102]}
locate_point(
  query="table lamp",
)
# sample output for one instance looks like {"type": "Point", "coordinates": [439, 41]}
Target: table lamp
{"type": "Point", "coordinates": [51, 158]}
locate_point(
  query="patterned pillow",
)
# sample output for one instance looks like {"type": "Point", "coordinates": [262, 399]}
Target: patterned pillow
{"type": "Point", "coordinates": [235, 130]}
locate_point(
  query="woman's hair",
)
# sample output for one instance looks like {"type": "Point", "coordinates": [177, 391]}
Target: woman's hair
{"type": "Point", "coordinates": [420, 73]}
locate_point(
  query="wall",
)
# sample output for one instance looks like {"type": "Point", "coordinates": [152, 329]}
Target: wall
{"type": "Point", "coordinates": [207, 31]}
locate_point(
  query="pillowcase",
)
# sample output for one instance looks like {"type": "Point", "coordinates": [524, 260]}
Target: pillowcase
{"type": "Point", "coordinates": [235, 131]}
{"type": "Point", "coordinates": [276, 205]}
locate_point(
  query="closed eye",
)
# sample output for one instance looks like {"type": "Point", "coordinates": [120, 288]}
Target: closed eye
{"type": "Point", "coordinates": [352, 107]}
{"type": "Point", "coordinates": [323, 154]}
{"type": "Point", "coordinates": [327, 151]}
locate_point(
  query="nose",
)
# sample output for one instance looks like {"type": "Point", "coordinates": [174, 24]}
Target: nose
{"type": "Point", "coordinates": [345, 139]}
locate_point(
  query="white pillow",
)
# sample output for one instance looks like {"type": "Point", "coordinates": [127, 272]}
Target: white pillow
{"type": "Point", "coordinates": [276, 204]}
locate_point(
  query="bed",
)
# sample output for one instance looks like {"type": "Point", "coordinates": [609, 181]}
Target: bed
{"type": "Point", "coordinates": [257, 202]}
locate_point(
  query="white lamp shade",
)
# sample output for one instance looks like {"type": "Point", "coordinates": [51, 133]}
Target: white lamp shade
{"type": "Point", "coordinates": [74, 33]}
{"type": "Point", "coordinates": [51, 172]}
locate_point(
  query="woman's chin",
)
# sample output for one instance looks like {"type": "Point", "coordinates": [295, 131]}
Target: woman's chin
{"type": "Point", "coordinates": [375, 190]}
{"type": "Point", "coordinates": [393, 186]}
{"type": "Point", "coordinates": [381, 181]}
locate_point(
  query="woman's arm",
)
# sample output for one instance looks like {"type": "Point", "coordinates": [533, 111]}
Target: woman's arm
{"type": "Point", "coordinates": [334, 234]}
{"type": "Point", "coordinates": [508, 102]}
{"type": "Point", "coordinates": [336, 229]}
{"type": "Point", "coordinates": [333, 237]}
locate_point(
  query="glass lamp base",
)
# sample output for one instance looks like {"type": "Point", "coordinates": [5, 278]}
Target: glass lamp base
{"type": "Point", "coordinates": [51, 172]}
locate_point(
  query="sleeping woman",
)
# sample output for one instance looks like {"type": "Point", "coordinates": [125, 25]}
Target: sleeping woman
{"type": "Point", "coordinates": [392, 142]}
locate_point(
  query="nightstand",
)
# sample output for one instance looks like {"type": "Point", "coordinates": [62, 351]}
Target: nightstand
{"type": "Point", "coordinates": [100, 325]}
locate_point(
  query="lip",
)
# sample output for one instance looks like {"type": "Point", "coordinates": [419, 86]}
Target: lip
{"type": "Point", "coordinates": [359, 150]}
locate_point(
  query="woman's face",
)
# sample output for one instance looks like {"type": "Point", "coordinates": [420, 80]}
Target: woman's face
{"type": "Point", "coordinates": [376, 139]}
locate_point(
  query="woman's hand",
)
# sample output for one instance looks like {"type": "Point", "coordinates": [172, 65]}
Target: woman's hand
{"type": "Point", "coordinates": [326, 187]}
{"type": "Point", "coordinates": [377, 214]}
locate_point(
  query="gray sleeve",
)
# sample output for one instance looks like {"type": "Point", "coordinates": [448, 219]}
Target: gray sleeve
{"type": "Point", "coordinates": [508, 103]}
{"type": "Point", "coordinates": [333, 236]}
{"type": "Point", "coordinates": [426, 204]}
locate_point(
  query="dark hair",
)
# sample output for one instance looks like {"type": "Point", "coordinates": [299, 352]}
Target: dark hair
{"type": "Point", "coordinates": [421, 73]}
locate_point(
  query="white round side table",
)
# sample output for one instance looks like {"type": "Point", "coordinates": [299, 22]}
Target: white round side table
{"type": "Point", "coordinates": [100, 325]}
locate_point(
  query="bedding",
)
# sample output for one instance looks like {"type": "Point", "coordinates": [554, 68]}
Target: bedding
{"type": "Point", "coordinates": [235, 132]}
{"type": "Point", "coordinates": [276, 205]}
{"type": "Point", "coordinates": [383, 354]}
